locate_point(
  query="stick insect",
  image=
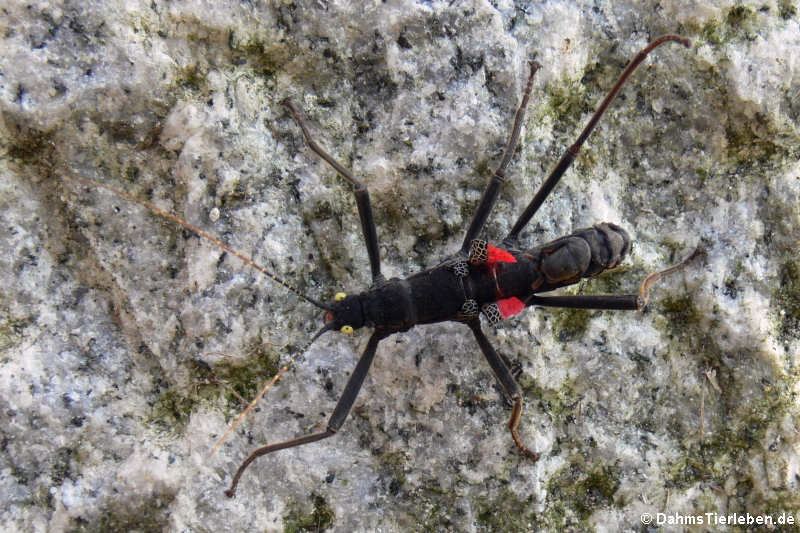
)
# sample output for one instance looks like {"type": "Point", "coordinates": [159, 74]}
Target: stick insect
{"type": "Point", "coordinates": [480, 278]}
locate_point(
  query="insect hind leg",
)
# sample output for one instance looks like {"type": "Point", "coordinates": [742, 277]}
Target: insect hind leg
{"type": "Point", "coordinates": [489, 195]}
{"type": "Point", "coordinates": [619, 302]}
{"type": "Point", "coordinates": [571, 153]}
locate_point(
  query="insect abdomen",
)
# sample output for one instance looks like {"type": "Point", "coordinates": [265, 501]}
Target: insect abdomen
{"type": "Point", "coordinates": [584, 253]}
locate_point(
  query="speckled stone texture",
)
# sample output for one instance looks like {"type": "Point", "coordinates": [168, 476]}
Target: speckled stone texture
{"type": "Point", "coordinates": [128, 345]}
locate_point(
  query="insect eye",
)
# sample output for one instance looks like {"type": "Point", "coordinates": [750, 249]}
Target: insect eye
{"type": "Point", "coordinates": [347, 330]}
{"type": "Point", "coordinates": [339, 297]}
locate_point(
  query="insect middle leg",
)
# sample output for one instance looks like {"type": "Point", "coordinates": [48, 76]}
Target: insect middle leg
{"type": "Point", "coordinates": [507, 383]}
{"type": "Point", "coordinates": [336, 420]}
{"type": "Point", "coordinates": [360, 192]}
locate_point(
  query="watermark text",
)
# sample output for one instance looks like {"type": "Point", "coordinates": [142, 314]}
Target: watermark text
{"type": "Point", "coordinates": [718, 519]}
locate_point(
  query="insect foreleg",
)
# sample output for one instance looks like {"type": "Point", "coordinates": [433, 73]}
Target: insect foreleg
{"type": "Point", "coordinates": [493, 187]}
{"type": "Point", "coordinates": [360, 192]}
{"type": "Point", "coordinates": [336, 420]}
{"type": "Point", "coordinates": [507, 383]}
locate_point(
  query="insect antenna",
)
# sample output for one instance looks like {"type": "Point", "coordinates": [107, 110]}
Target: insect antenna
{"type": "Point", "coordinates": [247, 260]}
{"type": "Point", "coordinates": [270, 383]}
{"type": "Point", "coordinates": [200, 233]}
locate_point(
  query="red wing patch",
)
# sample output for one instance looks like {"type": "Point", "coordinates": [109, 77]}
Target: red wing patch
{"type": "Point", "coordinates": [498, 255]}
{"type": "Point", "coordinates": [510, 306]}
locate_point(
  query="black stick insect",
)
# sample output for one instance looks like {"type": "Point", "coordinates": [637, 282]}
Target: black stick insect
{"type": "Point", "coordinates": [480, 278]}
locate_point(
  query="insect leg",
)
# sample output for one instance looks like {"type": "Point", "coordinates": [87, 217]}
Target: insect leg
{"type": "Point", "coordinates": [509, 386]}
{"type": "Point", "coordinates": [336, 420]}
{"type": "Point", "coordinates": [622, 302]}
{"type": "Point", "coordinates": [569, 155]}
{"type": "Point", "coordinates": [360, 192]}
{"type": "Point", "coordinates": [493, 187]}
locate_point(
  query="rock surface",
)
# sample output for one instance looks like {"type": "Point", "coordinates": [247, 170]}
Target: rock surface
{"type": "Point", "coordinates": [128, 345]}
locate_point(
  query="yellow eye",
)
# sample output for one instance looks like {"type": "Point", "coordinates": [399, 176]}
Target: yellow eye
{"type": "Point", "coordinates": [339, 297]}
{"type": "Point", "coordinates": [347, 330]}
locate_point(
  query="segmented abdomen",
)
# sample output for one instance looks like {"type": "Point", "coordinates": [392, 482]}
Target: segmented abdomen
{"type": "Point", "coordinates": [584, 253]}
